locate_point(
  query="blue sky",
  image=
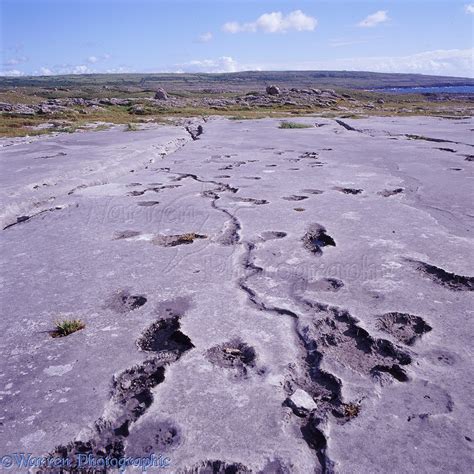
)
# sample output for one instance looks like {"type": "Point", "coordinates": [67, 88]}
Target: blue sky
{"type": "Point", "coordinates": [43, 37]}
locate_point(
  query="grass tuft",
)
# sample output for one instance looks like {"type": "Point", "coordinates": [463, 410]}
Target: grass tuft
{"type": "Point", "coordinates": [286, 125]}
{"type": "Point", "coordinates": [132, 127]}
{"type": "Point", "coordinates": [67, 326]}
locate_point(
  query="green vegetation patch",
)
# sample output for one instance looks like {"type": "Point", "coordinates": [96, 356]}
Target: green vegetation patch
{"type": "Point", "coordinates": [67, 326]}
{"type": "Point", "coordinates": [294, 125]}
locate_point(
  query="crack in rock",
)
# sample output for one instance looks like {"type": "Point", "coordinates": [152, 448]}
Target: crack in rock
{"type": "Point", "coordinates": [326, 333]}
{"type": "Point", "coordinates": [174, 240]}
{"type": "Point", "coordinates": [442, 277]}
{"type": "Point", "coordinates": [347, 126]}
{"type": "Point", "coordinates": [435, 140]}
{"type": "Point", "coordinates": [21, 219]}
{"type": "Point", "coordinates": [390, 192]}
{"type": "Point", "coordinates": [348, 190]}
{"type": "Point", "coordinates": [251, 270]}
{"type": "Point", "coordinates": [295, 197]}
{"type": "Point", "coordinates": [257, 202]}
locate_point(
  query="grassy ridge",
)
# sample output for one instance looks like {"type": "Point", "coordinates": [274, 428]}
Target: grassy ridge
{"type": "Point", "coordinates": [238, 80]}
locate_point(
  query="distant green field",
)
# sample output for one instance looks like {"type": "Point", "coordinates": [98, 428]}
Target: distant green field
{"type": "Point", "coordinates": [236, 81]}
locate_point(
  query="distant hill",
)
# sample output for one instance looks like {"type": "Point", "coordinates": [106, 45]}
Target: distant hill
{"type": "Point", "coordinates": [239, 80]}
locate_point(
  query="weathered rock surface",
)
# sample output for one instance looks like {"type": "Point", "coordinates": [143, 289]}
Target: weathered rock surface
{"type": "Point", "coordinates": [222, 328]}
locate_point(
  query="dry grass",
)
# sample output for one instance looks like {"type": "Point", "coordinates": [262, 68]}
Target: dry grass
{"type": "Point", "coordinates": [191, 237]}
{"type": "Point", "coordinates": [351, 410]}
{"type": "Point", "coordinates": [12, 125]}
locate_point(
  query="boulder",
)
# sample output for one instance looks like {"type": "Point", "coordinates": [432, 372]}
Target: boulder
{"type": "Point", "coordinates": [301, 402]}
{"type": "Point", "coordinates": [137, 109]}
{"type": "Point", "coordinates": [161, 94]}
{"type": "Point", "coordinates": [273, 90]}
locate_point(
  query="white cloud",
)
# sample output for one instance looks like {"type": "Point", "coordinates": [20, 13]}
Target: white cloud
{"type": "Point", "coordinates": [337, 43]}
{"type": "Point", "coordinates": [12, 73]}
{"type": "Point", "coordinates": [15, 61]}
{"type": "Point", "coordinates": [95, 59]}
{"type": "Point", "coordinates": [80, 69]}
{"type": "Point", "coordinates": [44, 71]}
{"type": "Point", "coordinates": [205, 37]}
{"type": "Point", "coordinates": [374, 19]}
{"type": "Point", "coordinates": [222, 64]}
{"type": "Point", "coordinates": [232, 27]}
{"type": "Point", "coordinates": [274, 22]}
{"type": "Point", "coordinates": [63, 69]}
{"type": "Point", "coordinates": [469, 8]}
{"type": "Point", "coordinates": [454, 62]}
{"type": "Point", "coordinates": [119, 70]}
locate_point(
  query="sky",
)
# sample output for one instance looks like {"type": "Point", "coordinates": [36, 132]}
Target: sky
{"type": "Point", "coordinates": [49, 37]}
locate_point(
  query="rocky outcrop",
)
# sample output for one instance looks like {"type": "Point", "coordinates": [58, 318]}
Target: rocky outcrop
{"type": "Point", "coordinates": [273, 90]}
{"type": "Point", "coordinates": [161, 94]}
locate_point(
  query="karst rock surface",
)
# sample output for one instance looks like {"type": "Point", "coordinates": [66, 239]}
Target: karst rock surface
{"type": "Point", "coordinates": [258, 299]}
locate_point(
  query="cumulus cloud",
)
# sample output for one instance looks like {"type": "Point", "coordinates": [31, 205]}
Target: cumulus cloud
{"type": "Point", "coordinates": [374, 19]}
{"type": "Point", "coordinates": [16, 60]}
{"type": "Point", "coordinates": [44, 71]}
{"type": "Point", "coordinates": [95, 59]}
{"type": "Point", "coordinates": [222, 64]}
{"type": "Point", "coordinates": [469, 8]}
{"type": "Point", "coordinates": [205, 37]}
{"type": "Point", "coordinates": [63, 69]}
{"type": "Point", "coordinates": [12, 73]}
{"type": "Point", "coordinates": [80, 69]}
{"type": "Point", "coordinates": [274, 22]}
